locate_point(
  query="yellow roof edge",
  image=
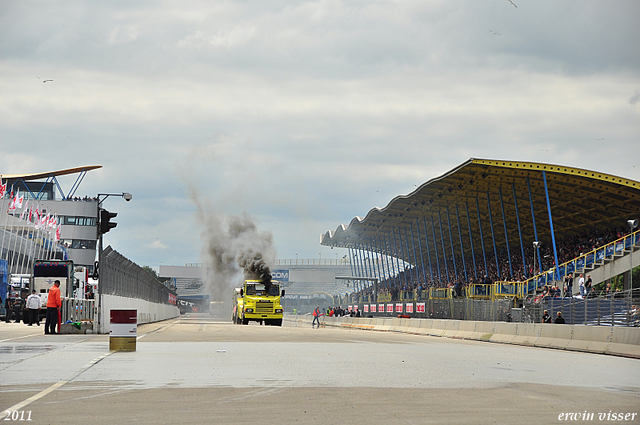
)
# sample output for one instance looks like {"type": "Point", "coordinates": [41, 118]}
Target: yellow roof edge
{"type": "Point", "coordinates": [560, 169]}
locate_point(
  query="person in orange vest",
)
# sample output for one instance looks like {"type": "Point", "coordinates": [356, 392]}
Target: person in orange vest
{"type": "Point", "coordinates": [53, 305]}
{"type": "Point", "coordinates": [316, 317]}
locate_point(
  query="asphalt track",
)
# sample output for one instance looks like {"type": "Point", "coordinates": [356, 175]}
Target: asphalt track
{"type": "Point", "coordinates": [198, 370]}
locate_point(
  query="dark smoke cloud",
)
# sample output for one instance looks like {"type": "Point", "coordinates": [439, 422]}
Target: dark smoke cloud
{"type": "Point", "coordinates": [233, 250]}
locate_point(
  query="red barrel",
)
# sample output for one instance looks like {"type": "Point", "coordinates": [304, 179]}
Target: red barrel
{"type": "Point", "coordinates": [123, 330]}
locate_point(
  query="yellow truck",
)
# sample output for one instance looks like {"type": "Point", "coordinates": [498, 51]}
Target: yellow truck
{"type": "Point", "coordinates": [258, 301]}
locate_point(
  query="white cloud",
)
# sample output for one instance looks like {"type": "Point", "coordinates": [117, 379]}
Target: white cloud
{"type": "Point", "coordinates": [306, 115]}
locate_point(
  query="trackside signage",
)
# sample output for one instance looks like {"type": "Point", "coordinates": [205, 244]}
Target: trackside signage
{"type": "Point", "coordinates": [281, 275]}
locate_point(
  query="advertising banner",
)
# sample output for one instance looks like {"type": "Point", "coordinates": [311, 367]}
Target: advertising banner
{"type": "Point", "coordinates": [409, 308]}
{"type": "Point", "coordinates": [390, 308]}
{"type": "Point", "coordinates": [398, 307]}
{"type": "Point", "coordinates": [373, 308]}
{"type": "Point", "coordinates": [366, 308]}
{"type": "Point", "coordinates": [420, 307]}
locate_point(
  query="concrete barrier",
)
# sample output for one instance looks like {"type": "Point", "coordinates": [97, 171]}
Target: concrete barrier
{"type": "Point", "coordinates": [504, 333]}
{"type": "Point", "coordinates": [526, 334]}
{"type": "Point", "coordinates": [591, 339]}
{"type": "Point", "coordinates": [484, 331]}
{"type": "Point", "coordinates": [624, 342]}
{"type": "Point", "coordinates": [554, 336]}
{"type": "Point", "coordinates": [619, 341]}
{"type": "Point", "coordinates": [466, 329]}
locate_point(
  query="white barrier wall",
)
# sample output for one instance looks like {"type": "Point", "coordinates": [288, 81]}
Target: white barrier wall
{"type": "Point", "coordinates": [147, 311]}
{"type": "Point", "coordinates": [613, 340]}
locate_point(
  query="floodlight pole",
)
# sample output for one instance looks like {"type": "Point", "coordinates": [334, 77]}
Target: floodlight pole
{"type": "Point", "coordinates": [632, 225]}
{"type": "Point", "coordinates": [536, 245]}
{"type": "Point", "coordinates": [127, 197]}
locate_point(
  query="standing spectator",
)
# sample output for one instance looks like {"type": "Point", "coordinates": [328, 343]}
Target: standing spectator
{"type": "Point", "coordinates": [53, 305]}
{"type": "Point", "coordinates": [581, 284]}
{"type": "Point", "coordinates": [33, 308]}
{"type": "Point", "coordinates": [546, 318]}
{"type": "Point", "coordinates": [587, 286]}
{"type": "Point", "coordinates": [569, 285]}
{"type": "Point", "coordinates": [316, 317]}
{"type": "Point", "coordinates": [14, 309]}
{"type": "Point", "coordinates": [560, 319]}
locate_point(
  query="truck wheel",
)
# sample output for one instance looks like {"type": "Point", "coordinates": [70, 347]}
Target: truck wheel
{"type": "Point", "coordinates": [245, 321]}
{"type": "Point", "coordinates": [277, 322]}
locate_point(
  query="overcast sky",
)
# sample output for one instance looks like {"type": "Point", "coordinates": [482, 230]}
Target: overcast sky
{"type": "Point", "coordinates": [306, 114]}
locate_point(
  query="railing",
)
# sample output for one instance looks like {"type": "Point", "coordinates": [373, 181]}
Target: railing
{"type": "Point", "coordinates": [312, 262]}
{"type": "Point", "coordinates": [440, 293]}
{"type": "Point", "coordinates": [77, 310]}
{"type": "Point", "coordinates": [595, 257]}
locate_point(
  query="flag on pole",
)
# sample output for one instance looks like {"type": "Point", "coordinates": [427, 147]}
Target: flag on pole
{"type": "Point", "coordinates": [19, 200]}
{"type": "Point", "coordinates": [24, 211]}
{"type": "Point", "coordinates": [3, 189]}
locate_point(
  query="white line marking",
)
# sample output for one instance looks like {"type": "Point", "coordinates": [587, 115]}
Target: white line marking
{"type": "Point", "coordinates": [6, 412]}
{"type": "Point", "coordinates": [20, 337]}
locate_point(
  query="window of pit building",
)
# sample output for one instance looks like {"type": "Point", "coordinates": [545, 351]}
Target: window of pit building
{"type": "Point", "coordinates": [78, 221]}
{"type": "Point", "coordinates": [78, 243]}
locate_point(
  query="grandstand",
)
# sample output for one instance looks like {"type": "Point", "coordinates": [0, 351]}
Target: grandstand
{"type": "Point", "coordinates": [476, 226]}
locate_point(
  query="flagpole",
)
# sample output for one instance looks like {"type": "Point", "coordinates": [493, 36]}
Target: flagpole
{"type": "Point", "coordinates": [29, 241]}
{"type": "Point", "coordinates": [22, 238]}
{"type": "Point", "coordinates": [4, 230]}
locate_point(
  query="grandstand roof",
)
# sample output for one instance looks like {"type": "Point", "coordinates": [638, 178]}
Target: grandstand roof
{"type": "Point", "coordinates": [485, 190]}
{"type": "Point", "coordinates": [48, 174]}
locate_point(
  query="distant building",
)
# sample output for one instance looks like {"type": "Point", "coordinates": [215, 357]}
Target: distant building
{"type": "Point", "coordinates": [301, 280]}
{"type": "Point", "coordinates": [70, 232]}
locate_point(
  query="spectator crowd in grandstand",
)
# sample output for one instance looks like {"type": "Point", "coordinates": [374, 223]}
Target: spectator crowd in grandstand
{"type": "Point", "coordinates": [420, 278]}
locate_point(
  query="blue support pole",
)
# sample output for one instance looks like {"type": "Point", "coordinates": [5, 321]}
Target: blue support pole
{"type": "Point", "coordinates": [493, 236]}
{"type": "Point", "coordinates": [535, 230]}
{"type": "Point", "coordinates": [426, 241]}
{"type": "Point", "coordinates": [406, 238]}
{"type": "Point", "coordinates": [355, 261]}
{"type": "Point", "coordinates": [515, 202]}
{"type": "Point", "coordinates": [424, 276]}
{"type": "Point", "coordinates": [378, 258]}
{"type": "Point", "coordinates": [435, 244]}
{"type": "Point", "coordinates": [506, 235]}
{"type": "Point", "coordinates": [395, 255]}
{"type": "Point", "coordinates": [395, 243]}
{"type": "Point", "coordinates": [553, 236]}
{"type": "Point", "coordinates": [444, 251]}
{"type": "Point", "coordinates": [374, 264]}
{"type": "Point", "coordinates": [453, 252]}
{"type": "Point", "coordinates": [385, 259]}
{"type": "Point", "coordinates": [473, 254]}
{"type": "Point", "coordinates": [361, 262]}
{"type": "Point", "coordinates": [389, 260]}
{"type": "Point", "coordinates": [464, 263]}
{"type": "Point", "coordinates": [484, 255]}
{"type": "Point", "coordinates": [351, 262]}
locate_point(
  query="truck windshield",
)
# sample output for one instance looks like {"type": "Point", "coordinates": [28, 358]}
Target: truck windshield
{"type": "Point", "coordinates": [259, 289]}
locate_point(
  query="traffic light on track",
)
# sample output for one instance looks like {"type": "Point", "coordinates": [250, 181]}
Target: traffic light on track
{"type": "Point", "coordinates": [105, 221]}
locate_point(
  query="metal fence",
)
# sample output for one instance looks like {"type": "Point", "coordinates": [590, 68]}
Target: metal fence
{"type": "Point", "coordinates": [622, 309]}
{"type": "Point", "coordinates": [121, 276]}
{"type": "Point", "coordinates": [77, 310]}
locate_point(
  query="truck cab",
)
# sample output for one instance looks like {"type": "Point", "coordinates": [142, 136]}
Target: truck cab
{"type": "Point", "coordinates": [260, 302]}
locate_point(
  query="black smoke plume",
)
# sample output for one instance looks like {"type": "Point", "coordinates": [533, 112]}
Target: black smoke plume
{"type": "Point", "coordinates": [234, 250]}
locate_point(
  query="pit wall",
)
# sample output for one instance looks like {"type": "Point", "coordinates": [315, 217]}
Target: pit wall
{"type": "Point", "coordinates": [612, 340]}
{"type": "Point", "coordinates": [148, 312]}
